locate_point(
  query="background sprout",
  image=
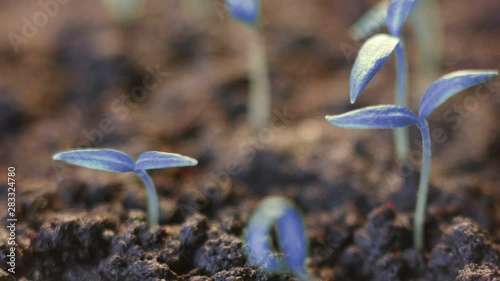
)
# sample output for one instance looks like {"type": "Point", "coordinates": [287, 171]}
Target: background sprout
{"type": "Point", "coordinates": [259, 100]}
{"type": "Point", "coordinates": [125, 11]}
{"type": "Point", "coordinates": [426, 27]}
{"type": "Point", "coordinates": [286, 220]}
{"type": "Point", "coordinates": [426, 24]}
{"type": "Point", "coordinates": [125, 14]}
{"type": "Point", "coordinates": [397, 12]}
{"type": "Point", "coordinates": [370, 22]}
{"type": "Point", "coordinates": [117, 161]}
{"type": "Point", "coordinates": [395, 116]}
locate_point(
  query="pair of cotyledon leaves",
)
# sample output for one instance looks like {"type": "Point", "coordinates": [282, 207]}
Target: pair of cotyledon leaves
{"type": "Point", "coordinates": [392, 116]}
{"type": "Point", "coordinates": [117, 161]}
{"type": "Point", "coordinates": [374, 54]}
{"type": "Point", "coordinates": [245, 11]}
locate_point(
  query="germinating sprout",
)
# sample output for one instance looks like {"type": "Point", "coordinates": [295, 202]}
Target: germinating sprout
{"type": "Point", "coordinates": [125, 11]}
{"type": "Point", "coordinates": [259, 98]}
{"type": "Point", "coordinates": [379, 48]}
{"type": "Point", "coordinates": [276, 213]}
{"type": "Point", "coordinates": [395, 116]}
{"type": "Point", "coordinates": [116, 161]}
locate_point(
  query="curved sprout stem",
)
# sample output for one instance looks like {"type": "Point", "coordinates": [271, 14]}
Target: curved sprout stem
{"type": "Point", "coordinates": [401, 135]}
{"type": "Point", "coordinates": [153, 207]}
{"type": "Point", "coordinates": [259, 99]}
{"type": "Point", "coordinates": [423, 187]}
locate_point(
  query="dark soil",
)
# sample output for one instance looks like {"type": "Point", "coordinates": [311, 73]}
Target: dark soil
{"type": "Point", "coordinates": [73, 85]}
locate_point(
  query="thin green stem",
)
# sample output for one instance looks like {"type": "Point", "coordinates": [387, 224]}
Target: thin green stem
{"type": "Point", "coordinates": [423, 187]}
{"type": "Point", "coordinates": [401, 135]}
{"type": "Point", "coordinates": [153, 207]}
{"type": "Point", "coordinates": [259, 100]}
{"type": "Point", "coordinates": [427, 29]}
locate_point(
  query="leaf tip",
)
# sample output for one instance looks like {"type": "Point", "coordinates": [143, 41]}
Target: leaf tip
{"type": "Point", "coordinates": [57, 156]}
{"type": "Point", "coordinates": [331, 119]}
{"type": "Point", "coordinates": [353, 97]}
{"type": "Point", "coordinates": [192, 161]}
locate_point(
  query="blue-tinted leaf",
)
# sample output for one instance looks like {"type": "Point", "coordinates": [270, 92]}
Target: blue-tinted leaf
{"type": "Point", "coordinates": [371, 57]}
{"type": "Point", "coordinates": [99, 159]}
{"type": "Point", "coordinates": [293, 239]}
{"type": "Point", "coordinates": [370, 22]}
{"type": "Point", "coordinates": [258, 235]}
{"type": "Point", "coordinates": [158, 160]}
{"type": "Point", "coordinates": [397, 13]}
{"type": "Point", "coordinates": [375, 117]}
{"type": "Point", "coordinates": [246, 11]}
{"type": "Point", "coordinates": [449, 85]}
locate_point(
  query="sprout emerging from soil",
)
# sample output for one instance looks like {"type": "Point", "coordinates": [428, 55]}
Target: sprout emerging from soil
{"type": "Point", "coordinates": [277, 215]}
{"type": "Point", "coordinates": [395, 116]}
{"type": "Point", "coordinates": [375, 53]}
{"type": "Point", "coordinates": [117, 161]}
{"type": "Point", "coordinates": [259, 98]}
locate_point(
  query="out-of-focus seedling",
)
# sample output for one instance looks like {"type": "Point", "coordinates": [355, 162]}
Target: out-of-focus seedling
{"type": "Point", "coordinates": [125, 11]}
{"type": "Point", "coordinates": [259, 100]}
{"type": "Point", "coordinates": [395, 116]}
{"type": "Point", "coordinates": [426, 25]}
{"type": "Point", "coordinates": [370, 22]}
{"type": "Point", "coordinates": [117, 161]}
{"type": "Point", "coordinates": [278, 215]}
{"type": "Point", "coordinates": [125, 15]}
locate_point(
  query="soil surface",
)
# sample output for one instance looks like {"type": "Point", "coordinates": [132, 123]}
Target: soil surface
{"type": "Point", "coordinates": [74, 81]}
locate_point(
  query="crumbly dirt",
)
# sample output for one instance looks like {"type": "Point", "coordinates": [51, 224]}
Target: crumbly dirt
{"type": "Point", "coordinates": [72, 85]}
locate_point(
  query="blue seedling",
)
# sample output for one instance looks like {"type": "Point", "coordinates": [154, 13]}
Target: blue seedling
{"type": "Point", "coordinates": [276, 213]}
{"type": "Point", "coordinates": [425, 23]}
{"type": "Point", "coordinates": [117, 161]}
{"type": "Point", "coordinates": [395, 116]}
{"type": "Point", "coordinates": [259, 98]}
{"type": "Point", "coordinates": [375, 53]}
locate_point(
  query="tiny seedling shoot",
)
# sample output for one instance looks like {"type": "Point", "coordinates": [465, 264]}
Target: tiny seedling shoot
{"type": "Point", "coordinates": [425, 23]}
{"type": "Point", "coordinates": [124, 11]}
{"type": "Point", "coordinates": [117, 161]}
{"type": "Point", "coordinates": [375, 53]}
{"type": "Point", "coordinates": [278, 215]}
{"type": "Point", "coordinates": [395, 116]}
{"type": "Point", "coordinates": [259, 99]}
